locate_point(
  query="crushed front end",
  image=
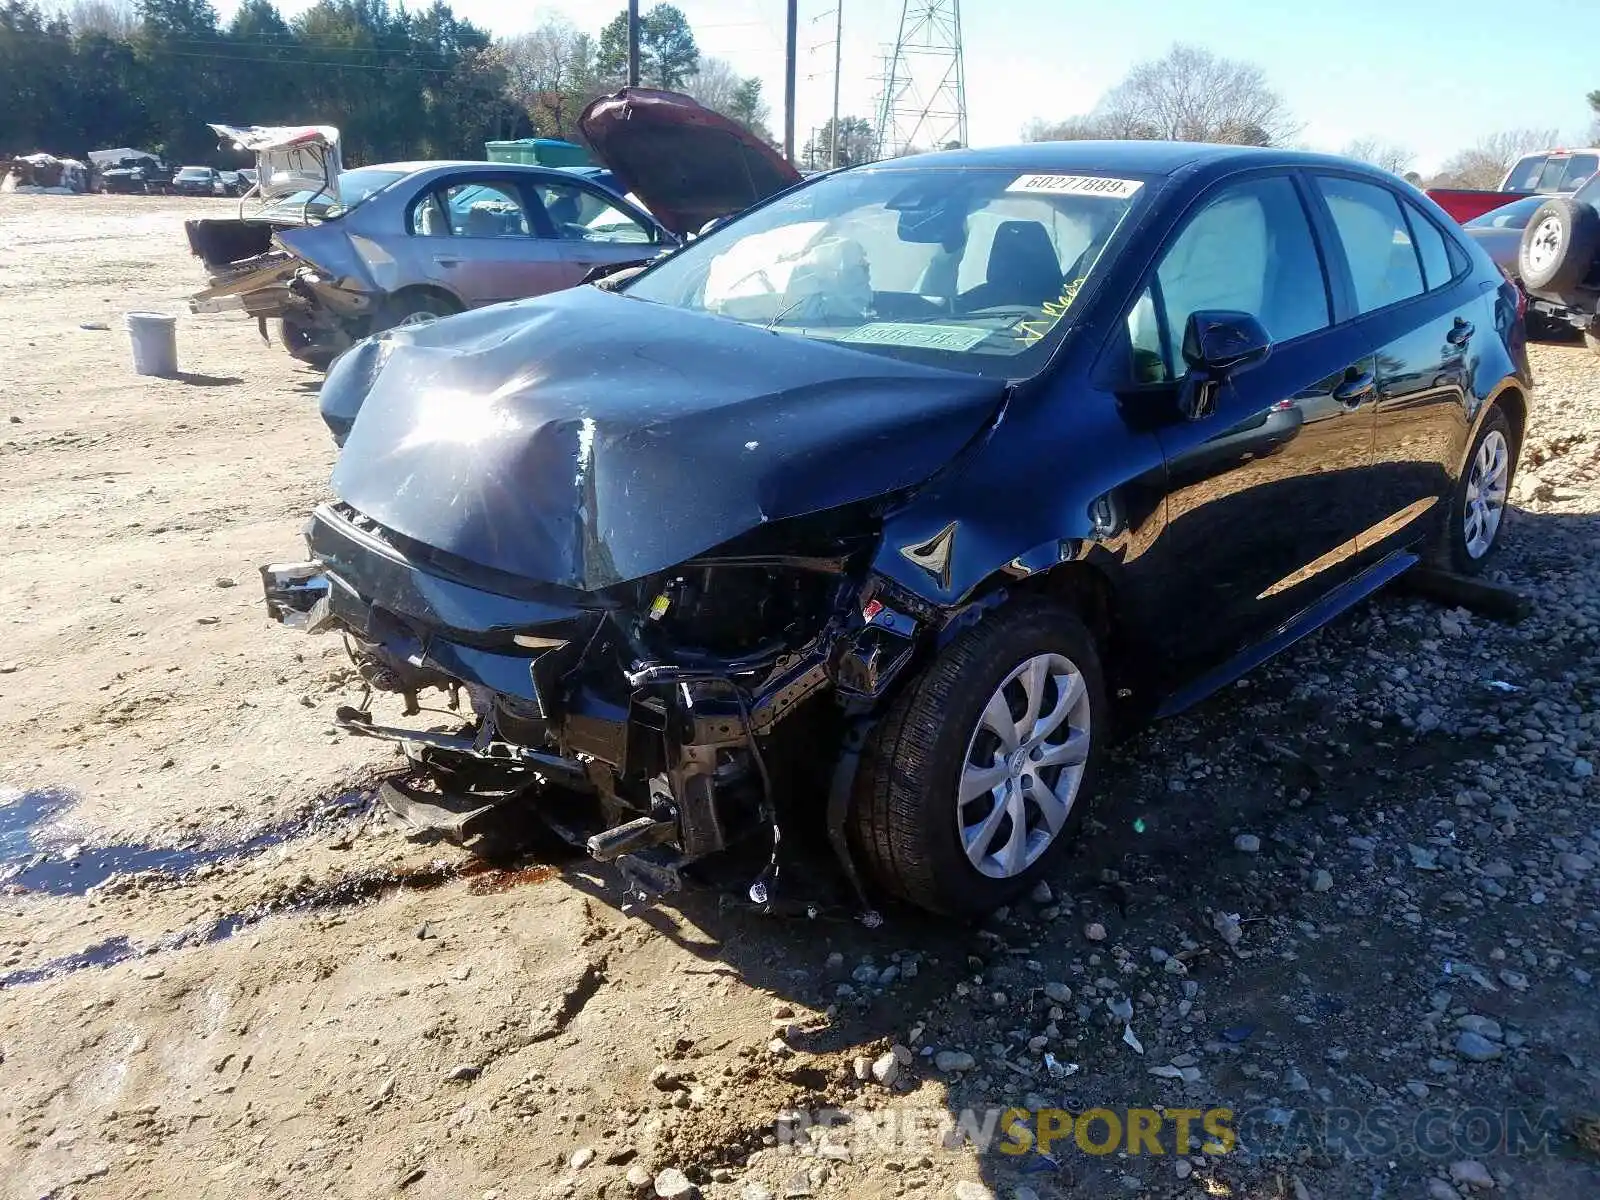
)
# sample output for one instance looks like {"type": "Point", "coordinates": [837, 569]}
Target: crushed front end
{"type": "Point", "coordinates": [680, 714]}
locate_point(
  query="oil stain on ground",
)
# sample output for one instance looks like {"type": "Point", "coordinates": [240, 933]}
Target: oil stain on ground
{"type": "Point", "coordinates": [33, 860]}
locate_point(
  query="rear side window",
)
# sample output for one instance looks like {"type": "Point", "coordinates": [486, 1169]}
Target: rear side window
{"type": "Point", "coordinates": [1579, 168]}
{"type": "Point", "coordinates": [1436, 268]}
{"type": "Point", "coordinates": [1377, 245]}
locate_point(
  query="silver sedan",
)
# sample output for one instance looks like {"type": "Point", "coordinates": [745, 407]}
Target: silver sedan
{"type": "Point", "coordinates": [379, 246]}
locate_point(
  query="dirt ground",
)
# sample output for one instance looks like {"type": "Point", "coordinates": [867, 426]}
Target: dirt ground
{"type": "Point", "coordinates": [1364, 882]}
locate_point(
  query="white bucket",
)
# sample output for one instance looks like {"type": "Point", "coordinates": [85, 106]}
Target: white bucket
{"type": "Point", "coordinates": [155, 343]}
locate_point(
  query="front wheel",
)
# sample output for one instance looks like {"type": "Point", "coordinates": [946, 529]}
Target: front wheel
{"type": "Point", "coordinates": [981, 770]}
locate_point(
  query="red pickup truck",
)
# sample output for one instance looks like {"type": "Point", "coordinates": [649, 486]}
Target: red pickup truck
{"type": "Point", "coordinates": [1547, 173]}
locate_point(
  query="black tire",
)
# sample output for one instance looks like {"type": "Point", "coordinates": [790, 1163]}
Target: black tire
{"type": "Point", "coordinates": [904, 823]}
{"type": "Point", "coordinates": [298, 340]}
{"type": "Point", "coordinates": [1452, 552]}
{"type": "Point", "coordinates": [409, 306]}
{"type": "Point", "coordinates": [1558, 247]}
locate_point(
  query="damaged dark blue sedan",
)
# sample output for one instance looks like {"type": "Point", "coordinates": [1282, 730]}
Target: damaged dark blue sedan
{"type": "Point", "coordinates": [881, 507]}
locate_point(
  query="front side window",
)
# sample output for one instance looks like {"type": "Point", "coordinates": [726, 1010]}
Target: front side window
{"type": "Point", "coordinates": [1524, 177]}
{"type": "Point", "coordinates": [1249, 249]}
{"type": "Point", "coordinates": [1377, 245]}
{"type": "Point", "coordinates": [579, 215]}
{"type": "Point", "coordinates": [978, 270]}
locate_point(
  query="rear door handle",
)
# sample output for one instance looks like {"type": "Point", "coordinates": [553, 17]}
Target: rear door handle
{"type": "Point", "coordinates": [443, 261]}
{"type": "Point", "coordinates": [1461, 332]}
{"type": "Point", "coordinates": [1355, 388]}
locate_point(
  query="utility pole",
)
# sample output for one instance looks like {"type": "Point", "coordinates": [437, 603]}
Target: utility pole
{"type": "Point", "coordinates": [838, 55]}
{"type": "Point", "coordinates": [788, 79]}
{"type": "Point", "coordinates": [633, 43]}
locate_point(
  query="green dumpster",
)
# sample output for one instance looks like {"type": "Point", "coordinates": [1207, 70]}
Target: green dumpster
{"type": "Point", "coordinates": [538, 152]}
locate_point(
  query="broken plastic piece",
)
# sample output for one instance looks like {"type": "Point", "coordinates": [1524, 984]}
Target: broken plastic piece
{"type": "Point", "coordinates": [1132, 1039]}
{"type": "Point", "coordinates": [1057, 1068]}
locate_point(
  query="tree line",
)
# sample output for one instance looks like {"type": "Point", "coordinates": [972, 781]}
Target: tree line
{"type": "Point", "coordinates": [1193, 95]}
{"type": "Point", "coordinates": [399, 83]}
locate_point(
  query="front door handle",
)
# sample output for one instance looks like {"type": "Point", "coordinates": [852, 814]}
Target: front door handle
{"type": "Point", "coordinates": [1355, 388]}
{"type": "Point", "coordinates": [443, 261]}
{"type": "Point", "coordinates": [1461, 332]}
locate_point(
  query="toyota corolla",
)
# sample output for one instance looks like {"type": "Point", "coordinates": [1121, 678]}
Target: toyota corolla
{"type": "Point", "coordinates": [886, 504]}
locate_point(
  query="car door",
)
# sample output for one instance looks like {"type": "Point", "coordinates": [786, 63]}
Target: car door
{"type": "Point", "coordinates": [1266, 494]}
{"type": "Point", "coordinates": [479, 241]}
{"type": "Point", "coordinates": [1422, 307]}
{"type": "Point", "coordinates": [591, 228]}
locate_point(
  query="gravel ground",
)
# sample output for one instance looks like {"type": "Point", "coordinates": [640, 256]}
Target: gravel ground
{"type": "Point", "coordinates": [1345, 912]}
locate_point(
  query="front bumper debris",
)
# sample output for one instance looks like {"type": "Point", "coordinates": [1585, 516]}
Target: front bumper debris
{"type": "Point", "coordinates": [677, 753]}
{"type": "Point", "coordinates": [297, 595]}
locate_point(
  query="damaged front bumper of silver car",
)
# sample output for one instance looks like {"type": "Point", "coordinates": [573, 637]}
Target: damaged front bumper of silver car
{"type": "Point", "coordinates": [678, 714]}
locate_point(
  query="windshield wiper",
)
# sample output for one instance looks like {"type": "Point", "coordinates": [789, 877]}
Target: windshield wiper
{"type": "Point", "coordinates": [784, 312]}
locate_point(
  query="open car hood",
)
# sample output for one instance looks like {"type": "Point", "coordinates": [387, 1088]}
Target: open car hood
{"type": "Point", "coordinates": [290, 160]}
{"type": "Point", "coordinates": [686, 163]}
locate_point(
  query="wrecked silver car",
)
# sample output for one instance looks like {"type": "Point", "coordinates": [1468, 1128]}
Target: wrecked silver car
{"type": "Point", "coordinates": [333, 255]}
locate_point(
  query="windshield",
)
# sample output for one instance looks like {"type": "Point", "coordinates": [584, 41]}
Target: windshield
{"type": "Point", "coordinates": [354, 187]}
{"type": "Point", "coordinates": [1515, 215]}
{"type": "Point", "coordinates": [972, 269]}
{"type": "Point", "coordinates": [195, 173]}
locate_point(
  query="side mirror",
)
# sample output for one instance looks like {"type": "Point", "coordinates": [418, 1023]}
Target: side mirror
{"type": "Point", "coordinates": [1216, 344]}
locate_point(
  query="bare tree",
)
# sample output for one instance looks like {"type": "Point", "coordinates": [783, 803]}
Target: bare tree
{"type": "Point", "coordinates": [1387, 156]}
{"type": "Point", "coordinates": [1485, 164]}
{"type": "Point", "coordinates": [116, 19]}
{"type": "Point", "coordinates": [1072, 129]}
{"type": "Point", "coordinates": [717, 84]}
{"type": "Point", "coordinates": [1192, 95]}
{"type": "Point", "coordinates": [549, 73]}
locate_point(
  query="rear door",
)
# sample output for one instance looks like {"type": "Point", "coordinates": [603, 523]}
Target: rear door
{"type": "Point", "coordinates": [1422, 307]}
{"type": "Point", "coordinates": [478, 239]}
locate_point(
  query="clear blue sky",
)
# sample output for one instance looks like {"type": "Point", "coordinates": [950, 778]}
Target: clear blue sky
{"type": "Point", "coordinates": [1432, 75]}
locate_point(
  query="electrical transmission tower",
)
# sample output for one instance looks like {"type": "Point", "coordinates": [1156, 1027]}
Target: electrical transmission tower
{"type": "Point", "coordinates": [924, 101]}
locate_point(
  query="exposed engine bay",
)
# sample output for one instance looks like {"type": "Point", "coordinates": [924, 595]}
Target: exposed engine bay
{"type": "Point", "coordinates": [685, 710]}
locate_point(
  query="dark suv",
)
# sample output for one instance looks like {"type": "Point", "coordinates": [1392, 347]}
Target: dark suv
{"type": "Point", "coordinates": [883, 505]}
{"type": "Point", "coordinates": [1559, 260]}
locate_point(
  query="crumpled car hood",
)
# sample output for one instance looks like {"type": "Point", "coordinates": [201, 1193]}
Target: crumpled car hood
{"type": "Point", "coordinates": [585, 439]}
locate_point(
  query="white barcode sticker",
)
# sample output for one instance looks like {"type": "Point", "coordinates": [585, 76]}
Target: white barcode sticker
{"type": "Point", "coordinates": [1077, 185]}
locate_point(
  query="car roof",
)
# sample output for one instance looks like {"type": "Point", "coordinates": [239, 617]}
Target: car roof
{"type": "Point", "coordinates": [1138, 157]}
{"type": "Point", "coordinates": [413, 168]}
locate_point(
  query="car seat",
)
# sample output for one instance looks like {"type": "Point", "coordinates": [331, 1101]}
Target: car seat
{"type": "Point", "coordinates": [1023, 269]}
{"type": "Point", "coordinates": [483, 222]}
{"type": "Point", "coordinates": [564, 215]}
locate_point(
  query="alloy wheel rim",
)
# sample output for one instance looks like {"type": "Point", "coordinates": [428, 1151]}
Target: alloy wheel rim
{"type": "Point", "coordinates": [1486, 494]}
{"type": "Point", "coordinates": [1544, 244]}
{"type": "Point", "coordinates": [1024, 766]}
